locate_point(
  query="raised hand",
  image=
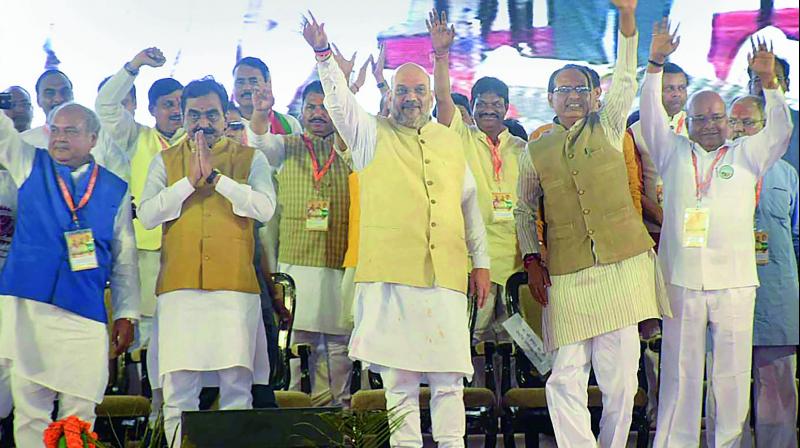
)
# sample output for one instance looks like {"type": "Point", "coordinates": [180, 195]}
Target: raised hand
{"type": "Point", "coordinates": [762, 61]}
{"type": "Point", "coordinates": [346, 66]}
{"type": "Point", "coordinates": [263, 100]}
{"type": "Point", "coordinates": [362, 75]}
{"type": "Point", "coordinates": [379, 64]}
{"type": "Point", "coordinates": [663, 42]}
{"type": "Point", "coordinates": [314, 33]}
{"type": "Point", "coordinates": [442, 36]}
{"type": "Point", "coordinates": [152, 57]}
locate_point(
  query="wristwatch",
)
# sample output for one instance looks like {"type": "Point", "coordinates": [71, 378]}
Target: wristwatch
{"type": "Point", "coordinates": [213, 176]}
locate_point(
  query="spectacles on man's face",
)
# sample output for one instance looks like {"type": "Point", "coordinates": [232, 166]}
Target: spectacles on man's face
{"type": "Point", "coordinates": [567, 90]}
{"type": "Point", "coordinates": [746, 122]}
{"type": "Point", "coordinates": [701, 120]}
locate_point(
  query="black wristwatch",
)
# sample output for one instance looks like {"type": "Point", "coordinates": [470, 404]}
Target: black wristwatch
{"type": "Point", "coordinates": [211, 177]}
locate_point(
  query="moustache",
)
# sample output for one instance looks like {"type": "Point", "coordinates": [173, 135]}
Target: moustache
{"type": "Point", "coordinates": [206, 131]}
{"type": "Point", "coordinates": [317, 120]}
{"type": "Point", "coordinates": [488, 115]}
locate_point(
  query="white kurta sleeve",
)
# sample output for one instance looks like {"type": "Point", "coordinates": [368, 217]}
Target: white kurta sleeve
{"type": "Point", "coordinates": [271, 145]}
{"type": "Point", "coordinates": [15, 154]}
{"type": "Point", "coordinates": [255, 199]}
{"type": "Point", "coordinates": [160, 203]}
{"type": "Point", "coordinates": [115, 119]}
{"type": "Point", "coordinates": [125, 294]}
{"type": "Point", "coordinates": [768, 145]}
{"type": "Point", "coordinates": [528, 193]}
{"type": "Point", "coordinates": [658, 136]}
{"type": "Point", "coordinates": [358, 129]}
{"type": "Point", "coordinates": [474, 230]}
{"type": "Point", "coordinates": [622, 92]}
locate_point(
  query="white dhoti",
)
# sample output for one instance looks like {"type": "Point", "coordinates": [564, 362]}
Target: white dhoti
{"type": "Point", "coordinates": [318, 321]}
{"type": "Point", "coordinates": [204, 339]}
{"type": "Point", "coordinates": [53, 354]}
{"type": "Point", "coordinates": [409, 335]}
{"type": "Point", "coordinates": [614, 356]}
{"type": "Point", "coordinates": [729, 314]}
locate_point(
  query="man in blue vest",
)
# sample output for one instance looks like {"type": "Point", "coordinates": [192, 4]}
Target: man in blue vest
{"type": "Point", "coordinates": [73, 234]}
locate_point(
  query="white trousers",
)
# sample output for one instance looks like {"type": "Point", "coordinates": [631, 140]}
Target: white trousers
{"type": "Point", "coordinates": [729, 314]}
{"type": "Point", "coordinates": [33, 409]}
{"type": "Point", "coordinates": [329, 367]}
{"type": "Point", "coordinates": [614, 356]}
{"type": "Point", "coordinates": [775, 399]}
{"type": "Point", "coordinates": [182, 393]}
{"type": "Point", "coordinates": [447, 406]}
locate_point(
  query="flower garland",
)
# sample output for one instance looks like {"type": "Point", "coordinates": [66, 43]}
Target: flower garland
{"type": "Point", "coordinates": [70, 432]}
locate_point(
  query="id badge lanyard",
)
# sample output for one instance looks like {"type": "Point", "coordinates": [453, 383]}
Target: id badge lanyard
{"type": "Point", "coordinates": [73, 209]}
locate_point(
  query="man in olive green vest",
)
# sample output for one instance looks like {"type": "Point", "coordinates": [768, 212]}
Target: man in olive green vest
{"type": "Point", "coordinates": [599, 278]}
{"type": "Point", "coordinates": [420, 223]}
{"type": "Point", "coordinates": [313, 237]}
{"type": "Point", "coordinates": [492, 153]}
{"type": "Point", "coordinates": [206, 192]}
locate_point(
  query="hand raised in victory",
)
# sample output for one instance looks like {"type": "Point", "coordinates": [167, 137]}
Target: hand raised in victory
{"type": "Point", "coordinates": [263, 100]}
{"type": "Point", "coordinates": [663, 42]}
{"type": "Point", "coordinates": [442, 36]}
{"type": "Point", "coordinates": [314, 33]}
{"type": "Point", "coordinates": [762, 62]}
{"type": "Point", "coordinates": [379, 64]}
{"type": "Point", "coordinates": [152, 57]}
{"type": "Point", "coordinates": [345, 65]}
{"type": "Point", "coordinates": [362, 75]}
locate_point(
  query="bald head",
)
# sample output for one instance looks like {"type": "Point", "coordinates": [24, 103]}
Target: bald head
{"type": "Point", "coordinates": [708, 120]}
{"type": "Point", "coordinates": [73, 133]}
{"type": "Point", "coordinates": [411, 97]}
{"type": "Point", "coordinates": [746, 116]}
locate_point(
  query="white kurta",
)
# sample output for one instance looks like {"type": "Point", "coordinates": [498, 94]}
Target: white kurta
{"type": "Point", "coordinates": [400, 326]}
{"type": "Point", "coordinates": [728, 260]}
{"type": "Point", "coordinates": [48, 345]}
{"type": "Point", "coordinates": [208, 330]}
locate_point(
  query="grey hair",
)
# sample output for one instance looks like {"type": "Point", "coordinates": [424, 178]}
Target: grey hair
{"type": "Point", "coordinates": [91, 121]}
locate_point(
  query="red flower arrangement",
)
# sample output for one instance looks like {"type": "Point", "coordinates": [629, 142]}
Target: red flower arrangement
{"type": "Point", "coordinates": [70, 432]}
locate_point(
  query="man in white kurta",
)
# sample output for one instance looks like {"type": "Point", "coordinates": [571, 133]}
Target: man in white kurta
{"type": "Point", "coordinates": [419, 221]}
{"type": "Point", "coordinates": [208, 336]}
{"type": "Point", "coordinates": [309, 169]}
{"type": "Point", "coordinates": [54, 88]}
{"type": "Point", "coordinates": [54, 352]}
{"type": "Point", "coordinates": [707, 247]}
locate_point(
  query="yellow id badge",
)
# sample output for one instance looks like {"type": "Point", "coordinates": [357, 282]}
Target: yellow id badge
{"type": "Point", "coordinates": [762, 247]}
{"type": "Point", "coordinates": [695, 227]}
{"type": "Point", "coordinates": [502, 207]}
{"type": "Point", "coordinates": [80, 246]}
{"type": "Point", "coordinates": [317, 216]}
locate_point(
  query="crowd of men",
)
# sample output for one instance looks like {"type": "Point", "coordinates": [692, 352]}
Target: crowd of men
{"type": "Point", "coordinates": [388, 223]}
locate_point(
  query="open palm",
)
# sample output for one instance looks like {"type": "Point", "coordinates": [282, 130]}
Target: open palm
{"type": "Point", "coordinates": [663, 42]}
{"type": "Point", "coordinates": [441, 35]}
{"type": "Point", "coordinates": [314, 33]}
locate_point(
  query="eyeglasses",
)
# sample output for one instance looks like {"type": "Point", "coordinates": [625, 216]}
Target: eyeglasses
{"type": "Point", "coordinates": [702, 119]}
{"type": "Point", "coordinates": [566, 90]}
{"type": "Point", "coordinates": [747, 122]}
